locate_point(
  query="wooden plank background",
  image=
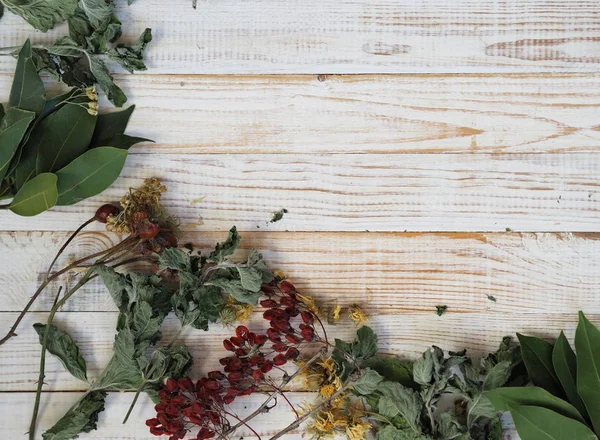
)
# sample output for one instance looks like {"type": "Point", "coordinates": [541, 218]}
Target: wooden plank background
{"type": "Point", "coordinates": [429, 152]}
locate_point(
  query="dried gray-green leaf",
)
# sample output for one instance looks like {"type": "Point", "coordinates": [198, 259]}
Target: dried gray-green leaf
{"type": "Point", "coordinates": [392, 370]}
{"type": "Point", "coordinates": [423, 368]}
{"type": "Point", "coordinates": [174, 259]}
{"type": "Point", "coordinates": [61, 345]}
{"type": "Point", "coordinates": [27, 92]}
{"type": "Point", "coordinates": [98, 12]}
{"type": "Point", "coordinates": [132, 57]}
{"type": "Point", "coordinates": [226, 248]}
{"type": "Point", "coordinates": [106, 81]}
{"type": "Point", "coordinates": [82, 417]}
{"type": "Point", "coordinates": [367, 382]}
{"type": "Point", "coordinates": [399, 400]}
{"type": "Point", "coordinates": [36, 196]}
{"type": "Point", "coordinates": [42, 15]}
{"type": "Point", "coordinates": [89, 174]}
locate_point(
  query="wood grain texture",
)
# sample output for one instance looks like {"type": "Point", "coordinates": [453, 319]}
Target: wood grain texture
{"type": "Point", "coordinates": [402, 334]}
{"type": "Point", "coordinates": [362, 114]}
{"type": "Point", "coordinates": [394, 272]}
{"type": "Point", "coordinates": [356, 36]}
{"type": "Point", "coordinates": [356, 192]}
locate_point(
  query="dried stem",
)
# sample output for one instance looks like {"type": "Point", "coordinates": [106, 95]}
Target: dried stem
{"type": "Point", "coordinates": [66, 243]}
{"type": "Point", "coordinates": [265, 404]}
{"type": "Point", "coordinates": [244, 423]}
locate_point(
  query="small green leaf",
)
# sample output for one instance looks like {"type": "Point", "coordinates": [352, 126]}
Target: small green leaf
{"type": "Point", "coordinates": [398, 400]}
{"type": "Point", "coordinates": [504, 398]}
{"type": "Point", "coordinates": [12, 130]}
{"type": "Point", "coordinates": [98, 12]}
{"type": "Point", "coordinates": [61, 345]}
{"type": "Point", "coordinates": [42, 15]}
{"type": "Point", "coordinates": [537, 423]}
{"type": "Point", "coordinates": [65, 135]}
{"type": "Point", "coordinates": [226, 248]}
{"type": "Point", "coordinates": [36, 196]}
{"type": "Point", "coordinates": [110, 125]}
{"type": "Point", "coordinates": [587, 345]}
{"type": "Point", "coordinates": [392, 370]}
{"type": "Point", "coordinates": [367, 382]}
{"type": "Point", "coordinates": [132, 57]}
{"type": "Point", "coordinates": [89, 174]}
{"type": "Point", "coordinates": [498, 375]}
{"type": "Point", "coordinates": [174, 259]}
{"type": "Point", "coordinates": [537, 355]}
{"type": "Point", "coordinates": [423, 368]}
{"type": "Point", "coordinates": [82, 417]}
{"type": "Point", "coordinates": [565, 365]}
{"type": "Point", "coordinates": [27, 92]}
{"type": "Point", "coordinates": [106, 82]}
{"type": "Point", "coordinates": [250, 278]}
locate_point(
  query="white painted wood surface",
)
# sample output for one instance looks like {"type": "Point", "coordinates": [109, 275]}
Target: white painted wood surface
{"type": "Point", "coordinates": [451, 120]}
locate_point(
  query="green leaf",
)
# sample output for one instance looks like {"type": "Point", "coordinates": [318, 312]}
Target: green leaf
{"type": "Point", "coordinates": [226, 248]}
{"type": "Point", "coordinates": [82, 417]}
{"type": "Point", "coordinates": [565, 365]}
{"type": "Point", "coordinates": [89, 174]}
{"type": "Point", "coordinates": [450, 428]}
{"type": "Point", "coordinates": [390, 432]}
{"type": "Point", "coordinates": [61, 345]}
{"type": "Point", "coordinates": [174, 259]}
{"type": "Point", "coordinates": [12, 130]}
{"type": "Point", "coordinates": [132, 58]}
{"type": "Point", "coordinates": [27, 92]}
{"type": "Point", "coordinates": [98, 12]}
{"type": "Point", "coordinates": [117, 285]}
{"type": "Point", "coordinates": [250, 278]}
{"type": "Point", "coordinates": [398, 400]}
{"type": "Point", "coordinates": [65, 135]}
{"type": "Point", "coordinates": [106, 81]}
{"type": "Point", "coordinates": [537, 423]}
{"type": "Point", "coordinates": [392, 370]}
{"type": "Point", "coordinates": [36, 196]}
{"type": "Point", "coordinates": [498, 375]}
{"type": "Point", "coordinates": [537, 355]}
{"type": "Point", "coordinates": [122, 372]}
{"type": "Point", "coordinates": [365, 345]}
{"type": "Point", "coordinates": [110, 125]}
{"type": "Point", "coordinates": [42, 15]}
{"type": "Point", "coordinates": [504, 398]}
{"type": "Point", "coordinates": [123, 141]}
{"type": "Point", "coordinates": [587, 345]}
{"type": "Point", "coordinates": [367, 382]}
{"type": "Point", "coordinates": [237, 290]}
{"type": "Point", "coordinates": [423, 368]}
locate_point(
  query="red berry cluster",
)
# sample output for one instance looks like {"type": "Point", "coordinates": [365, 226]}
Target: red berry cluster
{"type": "Point", "coordinates": [185, 405]}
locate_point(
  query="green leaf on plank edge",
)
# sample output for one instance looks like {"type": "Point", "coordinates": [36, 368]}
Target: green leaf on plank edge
{"type": "Point", "coordinates": [123, 141]}
{"type": "Point", "coordinates": [36, 196]}
{"type": "Point", "coordinates": [110, 125]}
{"type": "Point", "coordinates": [587, 346]}
{"type": "Point", "coordinates": [392, 370]}
{"type": "Point", "coordinates": [65, 135]}
{"type": "Point", "coordinates": [537, 355]}
{"type": "Point", "coordinates": [42, 15]}
{"type": "Point", "coordinates": [27, 92]}
{"type": "Point", "coordinates": [89, 174]}
{"type": "Point", "coordinates": [81, 417]}
{"type": "Point", "coordinates": [504, 398]}
{"type": "Point", "coordinates": [61, 345]}
{"type": "Point", "coordinates": [565, 366]}
{"type": "Point", "coordinates": [535, 423]}
{"type": "Point", "coordinates": [12, 131]}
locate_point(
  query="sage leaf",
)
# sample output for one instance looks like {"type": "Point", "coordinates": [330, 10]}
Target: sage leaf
{"type": "Point", "coordinates": [423, 368]}
{"type": "Point", "coordinates": [42, 15]}
{"type": "Point", "coordinates": [565, 365]}
{"type": "Point", "coordinates": [61, 345]}
{"type": "Point", "coordinates": [65, 135]}
{"type": "Point", "coordinates": [398, 400]}
{"type": "Point", "coordinates": [174, 259]}
{"type": "Point", "coordinates": [504, 398]}
{"type": "Point", "coordinates": [367, 383]}
{"type": "Point", "coordinates": [123, 141]}
{"type": "Point", "coordinates": [13, 127]}
{"type": "Point", "coordinates": [132, 58]}
{"type": "Point", "coordinates": [36, 196]}
{"type": "Point", "coordinates": [536, 423]}
{"type": "Point", "coordinates": [392, 370]}
{"type": "Point", "coordinates": [587, 345]}
{"type": "Point", "coordinates": [110, 125]}
{"type": "Point", "coordinates": [82, 417]}
{"type": "Point", "coordinates": [27, 92]}
{"type": "Point", "coordinates": [106, 81]}
{"type": "Point", "coordinates": [89, 174]}
{"type": "Point", "coordinates": [98, 12]}
{"type": "Point", "coordinates": [226, 248]}
{"type": "Point", "coordinates": [537, 355]}
{"type": "Point", "coordinates": [498, 375]}
{"type": "Point", "coordinates": [250, 278]}
{"type": "Point", "coordinates": [365, 346]}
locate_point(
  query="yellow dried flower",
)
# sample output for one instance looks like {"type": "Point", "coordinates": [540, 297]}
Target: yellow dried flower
{"type": "Point", "coordinates": [309, 302]}
{"type": "Point", "coordinates": [279, 274]}
{"type": "Point", "coordinates": [334, 314]}
{"type": "Point", "coordinates": [357, 431]}
{"type": "Point", "coordinates": [327, 390]}
{"type": "Point", "coordinates": [243, 313]}
{"type": "Point", "coordinates": [357, 315]}
{"type": "Point", "coordinates": [328, 365]}
{"type": "Point", "coordinates": [90, 92]}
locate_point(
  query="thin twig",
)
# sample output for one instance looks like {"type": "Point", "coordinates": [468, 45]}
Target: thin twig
{"type": "Point", "coordinates": [66, 243]}
{"type": "Point", "coordinates": [243, 423]}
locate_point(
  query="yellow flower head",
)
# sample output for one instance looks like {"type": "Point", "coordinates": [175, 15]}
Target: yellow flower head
{"type": "Point", "coordinates": [334, 314]}
{"type": "Point", "coordinates": [357, 315]}
{"type": "Point", "coordinates": [357, 431]}
{"type": "Point", "coordinates": [309, 302]}
{"type": "Point", "coordinates": [328, 365]}
{"type": "Point", "coordinates": [244, 312]}
{"type": "Point", "coordinates": [327, 390]}
{"type": "Point", "coordinates": [279, 274]}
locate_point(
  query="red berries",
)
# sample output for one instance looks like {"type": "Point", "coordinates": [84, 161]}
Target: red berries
{"type": "Point", "coordinates": [148, 230]}
{"type": "Point", "coordinates": [185, 404]}
{"type": "Point", "coordinates": [106, 211]}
